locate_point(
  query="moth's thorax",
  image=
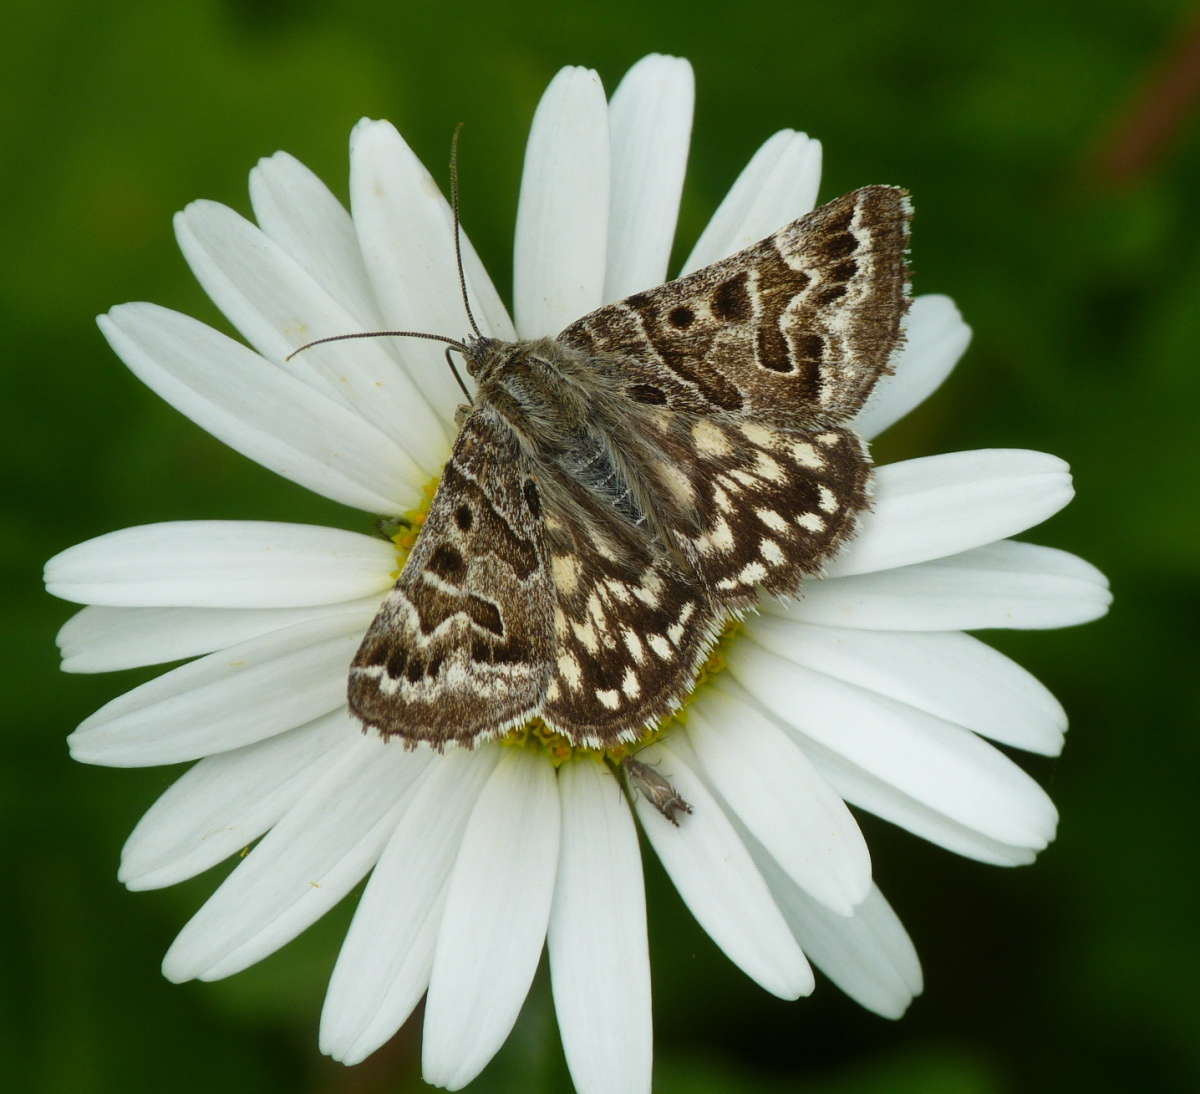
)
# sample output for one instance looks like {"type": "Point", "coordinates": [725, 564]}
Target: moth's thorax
{"type": "Point", "coordinates": [538, 387]}
{"type": "Point", "coordinates": [558, 405]}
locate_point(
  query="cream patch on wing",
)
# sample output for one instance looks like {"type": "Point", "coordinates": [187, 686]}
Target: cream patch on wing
{"type": "Point", "coordinates": [710, 439]}
{"type": "Point", "coordinates": [677, 483]}
{"type": "Point", "coordinates": [807, 456]}
{"type": "Point", "coordinates": [564, 572]}
{"type": "Point", "coordinates": [570, 671]}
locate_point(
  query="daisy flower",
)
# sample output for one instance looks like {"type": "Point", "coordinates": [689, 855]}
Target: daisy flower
{"type": "Point", "coordinates": [865, 693]}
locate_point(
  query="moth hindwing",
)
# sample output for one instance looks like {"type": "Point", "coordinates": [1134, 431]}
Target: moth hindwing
{"type": "Point", "coordinates": [618, 492]}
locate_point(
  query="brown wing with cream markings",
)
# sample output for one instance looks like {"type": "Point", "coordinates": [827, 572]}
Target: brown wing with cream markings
{"type": "Point", "coordinates": [794, 331]}
{"type": "Point", "coordinates": [759, 507]}
{"type": "Point", "coordinates": [631, 629]}
{"type": "Point", "coordinates": [462, 647]}
{"type": "Point", "coordinates": [748, 508]}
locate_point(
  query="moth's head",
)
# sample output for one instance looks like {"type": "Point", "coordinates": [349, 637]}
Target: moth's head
{"type": "Point", "coordinates": [485, 357]}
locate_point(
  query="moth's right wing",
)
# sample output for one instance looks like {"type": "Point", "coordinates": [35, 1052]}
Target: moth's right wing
{"type": "Point", "coordinates": [462, 648]}
{"type": "Point", "coordinates": [756, 508]}
{"type": "Point", "coordinates": [793, 331]}
{"type": "Point", "coordinates": [631, 630]}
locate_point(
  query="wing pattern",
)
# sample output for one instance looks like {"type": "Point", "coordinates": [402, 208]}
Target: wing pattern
{"type": "Point", "coordinates": [461, 648]}
{"type": "Point", "coordinates": [793, 331]}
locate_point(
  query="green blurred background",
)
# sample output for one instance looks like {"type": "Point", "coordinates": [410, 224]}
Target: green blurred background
{"type": "Point", "coordinates": [1052, 152]}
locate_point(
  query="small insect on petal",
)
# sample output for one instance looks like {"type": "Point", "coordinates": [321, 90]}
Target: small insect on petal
{"type": "Point", "coordinates": [655, 789]}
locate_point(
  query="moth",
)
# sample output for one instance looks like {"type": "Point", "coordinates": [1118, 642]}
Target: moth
{"type": "Point", "coordinates": [618, 493]}
{"type": "Point", "coordinates": [657, 790]}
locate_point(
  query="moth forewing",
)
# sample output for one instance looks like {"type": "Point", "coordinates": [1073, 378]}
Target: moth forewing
{"type": "Point", "coordinates": [793, 331]}
{"type": "Point", "coordinates": [462, 647]}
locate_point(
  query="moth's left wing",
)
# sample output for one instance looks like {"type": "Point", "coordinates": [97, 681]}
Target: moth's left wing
{"type": "Point", "coordinates": [793, 331]}
{"type": "Point", "coordinates": [461, 648]}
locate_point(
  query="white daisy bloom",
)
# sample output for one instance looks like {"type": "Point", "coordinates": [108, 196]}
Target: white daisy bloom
{"type": "Point", "coordinates": [866, 692]}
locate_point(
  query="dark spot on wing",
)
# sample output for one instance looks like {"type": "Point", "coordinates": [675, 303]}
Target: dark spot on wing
{"type": "Point", "coordinates": [731, 300]}
{"type": "Point", "coordinates": [810, 346]}
{"type": "Point", "coordinates": [485, 614]}
{"type": "Point", "coordinates": [647, 393]}
{"type": "Point", "coordinates": [531, 497]}
{"type": "Point", "coordinates": [396, 663]}
{"type": "Point", "coordinates": [463, 517]}
{"type": "Point", "coordinates": [773, 350]}
{"type": "Point", "coordinates": [510, 652]}
{"type": "Point", "coordinates": [373, 653]}
{"type": "Point", "coordinates": [446, 562]}
{"type": "Point", "coordinates": [841, 222]}
{"type": "Point", "coordinates": [681, 317]}
{"type": "Point", "coordinates": [841, 245]}
{"type": "Point", "coordinates": [843, 271]}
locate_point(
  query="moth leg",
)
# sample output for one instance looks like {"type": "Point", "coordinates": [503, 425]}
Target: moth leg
{"type": "Point", "coordinates": [658, 791]}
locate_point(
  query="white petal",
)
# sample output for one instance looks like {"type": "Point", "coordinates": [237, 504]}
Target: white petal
{"type": "Point", "coordinates": [261, 411]}
{"type": "Point", "coordinates": [941, 505]}
{"type": "Point", "coordinates": [935, 338]}
{"type": "Point", "coordinates": [948, 674]}
{"type": "Point", "coordinates": [650, 124]}
{"type": "Point", "coordinates": [599, 957]}
{"type": "Point", "coordinates": [107, 639]}
{"type": "Point", "coordinates": [497, 909]}
{"type": "Point", "coordinates": [406, 232]}
{"type": "Point", "coordinates": [868, 955]}
{"type": "Point", "coordinates": [227, 801]}
{"type": "Point", "coordinates": [278, 307]}
{"type": "Point", "coordinates": [228, 699]}
{"type": "Point", "coordinates": [711, 868]}
{"type": "Point", "coordinates": [1004, 584]}
{"type": "Point", "coordinates": [383, 969]}
{"type": "Point", "coordinates": [298, 211]}
{"type": "Point", "coordinates": [562, 218]}
{"type": "Point", "coordinates": [315, 855]}
{"type": "Point", "coordinates": [222, 564]}
{"type": "Point", "coordinates": [932, 761]}
{"type": "Point", "coordinates": [777, 186]}
{"type": "Point", "coordinates": [767, 781]}
{"type": "Point", "coordinates": [878, 795]}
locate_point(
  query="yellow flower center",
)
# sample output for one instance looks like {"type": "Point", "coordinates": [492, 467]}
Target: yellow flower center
{"type": "Point", "coordinates": [535, 734]}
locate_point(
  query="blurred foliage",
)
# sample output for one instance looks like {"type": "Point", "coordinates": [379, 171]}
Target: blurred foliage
{"type": "Point", "coordinates": [1075, 256]}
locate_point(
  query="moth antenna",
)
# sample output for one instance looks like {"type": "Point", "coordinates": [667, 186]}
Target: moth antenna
{"type": "Point", "coordinates": [450, 350]}
{"type": "Point", "coordinates": [454, 343]}
{"type": "Point", "coordinates": [462, 279]}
